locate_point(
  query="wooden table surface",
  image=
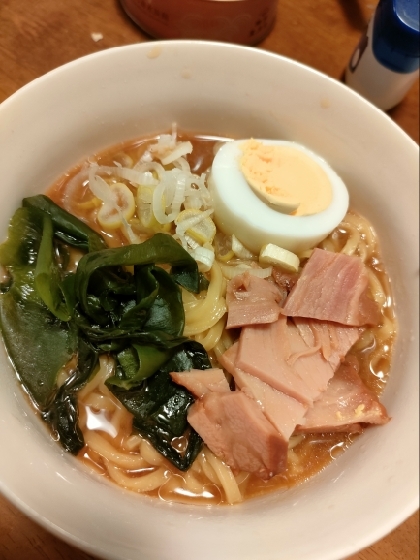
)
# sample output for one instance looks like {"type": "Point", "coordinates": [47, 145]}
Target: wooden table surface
{"type": "Point", "coordinates": [37, 36]}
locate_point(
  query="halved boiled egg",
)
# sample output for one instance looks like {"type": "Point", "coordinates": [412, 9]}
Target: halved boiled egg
{"type": "Point", "coordinates": [274, 191]}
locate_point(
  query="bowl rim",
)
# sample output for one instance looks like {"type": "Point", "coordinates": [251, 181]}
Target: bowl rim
{"type": "Point", "coordinates": [161, 43]}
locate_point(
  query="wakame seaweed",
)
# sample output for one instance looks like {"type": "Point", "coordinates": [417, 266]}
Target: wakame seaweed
{"type": "Point", "coordinates": [49, 316]}
{"type": "Point", "coordinates": [38, 342]}
{"type": "Point", "coordinates": [62, 412]}
{"type": "Point", "coordinates": [67, 227]}
{"type": "Point", "coordinates": [160, 406]}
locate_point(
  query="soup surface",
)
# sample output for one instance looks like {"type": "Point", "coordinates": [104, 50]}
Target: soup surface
{"type": "Point", "coordinates": [112, 445]}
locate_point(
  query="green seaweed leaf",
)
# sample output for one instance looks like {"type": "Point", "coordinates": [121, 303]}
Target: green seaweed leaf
{"type": "Point", "coordinates": [49, 316]}
{"type": "Point", "coordinates": [67, 227]}
{"type": "Point", "coordinates": [38, 344]}
{"type": "Point", "coordinates": [160, 406]}
{"type": "Point", "coordinates": [47, 275]}
{"type": "Point", "coordinates": [159, 249]}
{"type": "Point", "coordinates": [62, 412]}
{"type": "Point", "coordinates": [136, 363]}
{"type": "Point", "coordinates": [23, 240]}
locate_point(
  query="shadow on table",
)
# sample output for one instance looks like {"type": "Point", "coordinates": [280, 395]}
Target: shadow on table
{"type": "Point", "coordinates": [353, 14]}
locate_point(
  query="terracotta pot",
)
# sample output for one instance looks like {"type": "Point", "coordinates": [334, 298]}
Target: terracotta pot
{"type": "Point", "coordinates": [246, 22]}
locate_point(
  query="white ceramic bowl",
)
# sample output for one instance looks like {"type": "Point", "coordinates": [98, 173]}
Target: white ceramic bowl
{"type": "Point", "coordinates": [222, 89]}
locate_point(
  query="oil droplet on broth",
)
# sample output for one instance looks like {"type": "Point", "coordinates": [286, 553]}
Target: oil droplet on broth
{"type": "Point", "coordinates": [337, 450]}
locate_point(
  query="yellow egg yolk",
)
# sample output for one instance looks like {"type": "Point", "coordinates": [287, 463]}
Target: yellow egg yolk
{"type": "Point", "coordinates": [286, 177]}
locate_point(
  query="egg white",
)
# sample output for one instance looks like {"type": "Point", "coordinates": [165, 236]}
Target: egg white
{"type": "Point", "coordinates": [240, 211]}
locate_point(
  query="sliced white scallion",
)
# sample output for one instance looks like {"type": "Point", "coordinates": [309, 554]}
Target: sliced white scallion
{"type": "Point", "coordinates": [240, 250]}
{"type": "Point", "coordinates": [182, 164]}
{"type": "Point", "coordinates": [69, 195]}
{"type": "Point", "coordinates": [204, 256]}
{"type": "Point", "coordinates": [128, 232]}
{"type": "Point", "coordinates": [181, 149]}
{"type": "Point", "coordinates": [117, 209]}
{"type": "Point", "coordinates": [144, 194]}
{"type": "Point", "coordinates": [230, 271]}
{"type": "Point", "coordinates": [275, 255]}
{"type": "Point", "coordinates": [125, 160]}
{"type": "Point", "coordinates": [99, 187]}
{"type": "Point", "coordinates": [134, 176]}
{"type": "Point", "coordinates": [190, 243]}
{"type": "Point", "coordinates": [197, 224]}
{"type": "Point", "coordinates": [163, 196]}
{"type": "Point", "coordinates": [158, 204]}
{"type": "Point", "coordinates": [151, 167]}
{"type": "Point", "coordinates": [118, 205]}
{"type": "Point", "coordinates": [146, 157]}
